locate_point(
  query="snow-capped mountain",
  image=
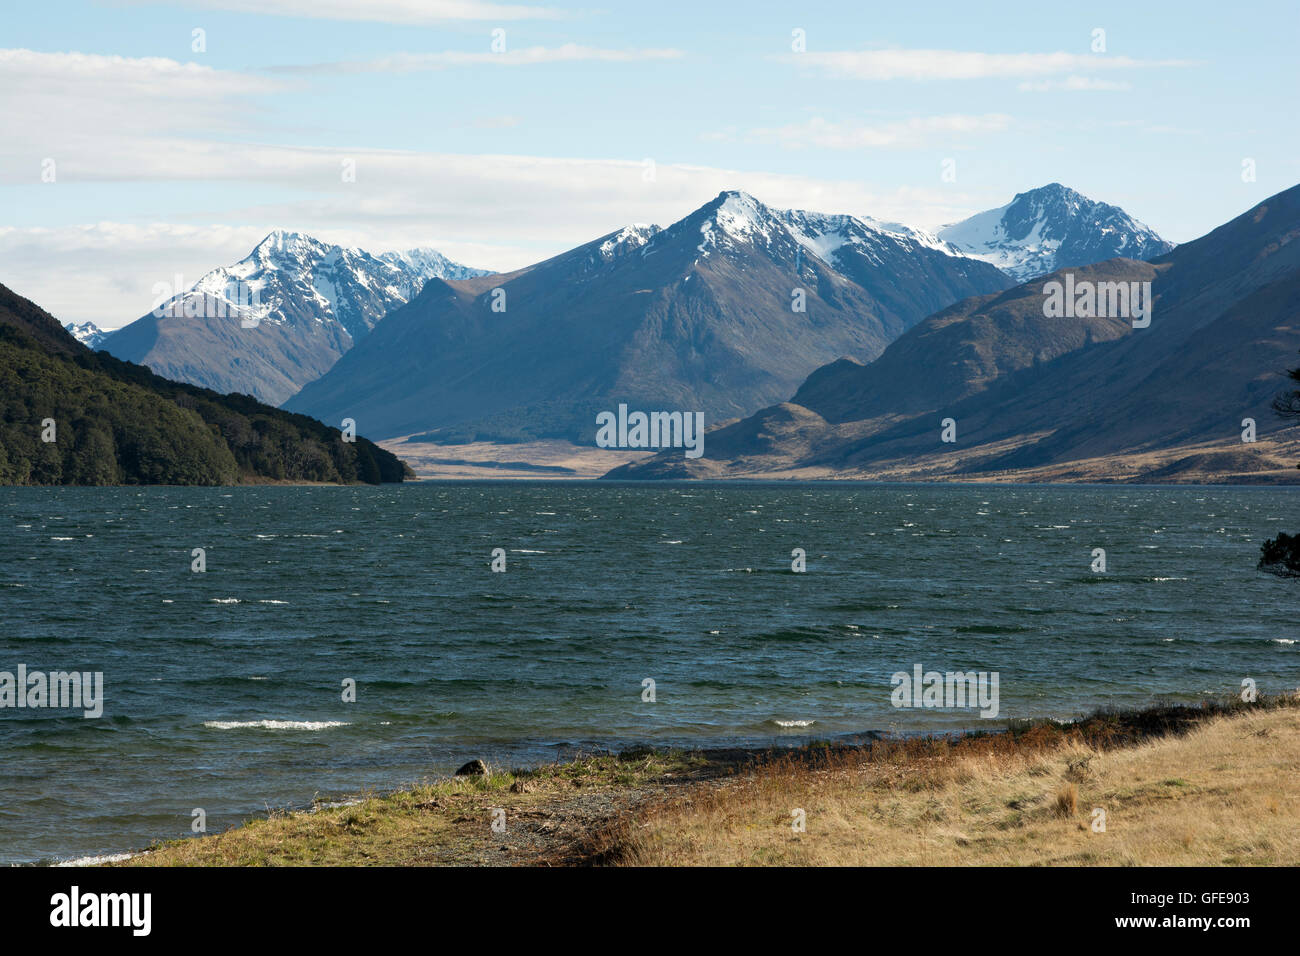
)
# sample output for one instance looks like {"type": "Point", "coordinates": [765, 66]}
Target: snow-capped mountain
{"type": "Point", "coordinates": [87, 333]}
{"type": "Point", "coordinates": [278, 318]}
{"type": "Point", "coordinates": [724, 311]}
{"type": "Point", "coordinates": [1052, 227]}
{"type": "Point", "coordinates": [1024, 385]}
{"type": "Point", "coordinates": [290, 277]}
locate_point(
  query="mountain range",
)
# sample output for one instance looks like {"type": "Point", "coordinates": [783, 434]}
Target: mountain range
{"type": "Point", "coordinates": [278, 318]}
{"type": "Point", "coordinates": [722, 312]}
{"type": "Point", "coordinates": [1032, 392]}
{"type": "Point", "coordinates": [776, 294]}
{"type": "Point", "coordinates": [725, 312]}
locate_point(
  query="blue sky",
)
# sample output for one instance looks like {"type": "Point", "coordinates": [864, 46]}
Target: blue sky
{"type": "Point", "coordinates": [169, 161]}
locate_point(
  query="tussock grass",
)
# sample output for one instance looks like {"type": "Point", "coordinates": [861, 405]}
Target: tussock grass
{"type": "Point", "coordinates": [1175, 790]}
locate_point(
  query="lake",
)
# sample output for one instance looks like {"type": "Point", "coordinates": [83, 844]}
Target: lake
{"type": "Point", "coordinates": [224, 689]}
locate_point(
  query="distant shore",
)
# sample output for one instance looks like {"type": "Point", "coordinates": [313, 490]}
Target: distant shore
{"type": "Point", "coordinates": [1270, 461]}
{"type": "Point", "coordinates": [1212, 784]}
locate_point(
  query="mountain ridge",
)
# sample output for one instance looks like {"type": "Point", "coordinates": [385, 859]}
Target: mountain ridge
{"type": "Point", "coordinates": [1031, 392]}
{"type": "Point", "coordinates": [279, 317]}
{"type": "Point", "coordinates": [699, 315]}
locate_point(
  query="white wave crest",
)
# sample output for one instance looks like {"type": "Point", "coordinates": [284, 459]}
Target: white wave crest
{"type": "Point", "coordinates": [273, 724]}
{"type": "Point", "coordinates": [96, 860]}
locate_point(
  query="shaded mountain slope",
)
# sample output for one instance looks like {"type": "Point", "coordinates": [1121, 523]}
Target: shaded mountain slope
{"type": "Point", "coordinates": [118, 423]}
{"type": "Point", "coordinates": [694, 317]}
{"type": "Point", "coordinates": [1027, 390]}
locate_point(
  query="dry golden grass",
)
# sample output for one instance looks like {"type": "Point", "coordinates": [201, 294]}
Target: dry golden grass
{"type": "Point", "coordinates": [1178, 786]}
{"type": "Point", "coordinates": [549, 811]}
{"type": "Point", "coordinates": [1227, 792]}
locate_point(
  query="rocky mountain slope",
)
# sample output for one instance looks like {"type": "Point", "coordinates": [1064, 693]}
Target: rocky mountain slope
{"type": "Point", "coordinates": [722, 313]}
{"type": "Point", "coordinates": [1027, 390]}
{"type": "Point", "coordinates": [277, 319]}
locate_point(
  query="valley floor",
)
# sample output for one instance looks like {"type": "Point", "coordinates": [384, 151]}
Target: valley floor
{"type": "Point", "coordinates": [1216, 785]}
{"type": "Point", "coordinates": [549, 459]}
{"type": "Point", "coordinates": [1267, 461]}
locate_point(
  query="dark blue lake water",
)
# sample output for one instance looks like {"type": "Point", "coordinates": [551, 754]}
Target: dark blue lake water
{"type": "Point", "coordinates": [223, 689]}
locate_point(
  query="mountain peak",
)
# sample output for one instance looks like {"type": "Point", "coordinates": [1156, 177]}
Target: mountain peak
{"type": "Point", "coordinates": [1050, 227]}
{"type": "Point", "coordinates": [285, 249]}
{"type": "Point", "coordinates": [1053, 188]}
{"type": "Point", "coordinates": [735, 216]}
{"type": "Point", "coordinates": [1058, 196]}
{"type": "Point", "coordinates": [735, 203]}
{"type": "Point", "coordinates": [280, 238]}
{"type": "Point", "coordinates": [87, 333]}
{"type": "Point", "coordinates": [736, 194]}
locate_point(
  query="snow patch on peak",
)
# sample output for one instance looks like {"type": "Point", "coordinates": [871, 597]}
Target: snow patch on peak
{"type": "Point", "coordinates": [735, 216]}
{"type": "Point", "coordinates": [634, 236]}
{"type": "Point", "coordinates": [429, 263]}
{"type": "Point", "coordinates": [740, 214]}
{"type": "Point", "coordinates": [826, 235]}
{"type": "Point", "coordinates": [281, 244]}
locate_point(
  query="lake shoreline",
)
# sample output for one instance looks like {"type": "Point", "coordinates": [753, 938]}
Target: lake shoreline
{"type": "Point", "coordinates": [596, 810]}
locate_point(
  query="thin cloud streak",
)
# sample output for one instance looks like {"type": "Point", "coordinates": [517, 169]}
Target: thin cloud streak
{"type": "Point", "coordinates": [921, 65]}
{"type": "Point", "coordinates": [912, 133]}
{"type": "Point", "coordinates": [412, 12]}
{"type": "Point", "coordinates": [526, 56]}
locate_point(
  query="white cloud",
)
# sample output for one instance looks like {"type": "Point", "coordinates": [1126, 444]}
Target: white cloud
{"type": "Point", "coordinates": [386, 11]}
{"type": "Point", "coordinates": [496, 212]}
{"type": "Point", "coordinates": [66, 104]}
{"type": "Point", "coordinates": [496, 122]}
{"type": "Point", "coordinates": [1074, 84]}
{"type": "Point", "coordinates": [964, 65]}
{"type": "Point", "coordinates": [112, 119]}
{"type": "Point", "coordinates": [900, 134]}
{"type": "Point", "coordinates": [104, 272]}
{"type": "Point", "coordinates": [526, 56]}
{"type": "Point", "coordinates": [103, 77]}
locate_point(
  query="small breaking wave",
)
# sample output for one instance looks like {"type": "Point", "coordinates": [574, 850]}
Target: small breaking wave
{"type": "Point", "coordinates": [96, 860]}
{"type": "Point", "coordinates": [274, 724]}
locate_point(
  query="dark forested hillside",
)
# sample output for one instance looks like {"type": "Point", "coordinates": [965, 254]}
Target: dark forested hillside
{"type": "Point", "coordinates": [112, 422]}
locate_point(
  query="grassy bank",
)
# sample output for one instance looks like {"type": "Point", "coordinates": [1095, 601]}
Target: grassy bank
{"type": "Point", "coordinates": [1214, 785]}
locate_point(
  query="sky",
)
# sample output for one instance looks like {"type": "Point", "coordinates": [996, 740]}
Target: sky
{"type": "Point", "coordinates": [143, 142]}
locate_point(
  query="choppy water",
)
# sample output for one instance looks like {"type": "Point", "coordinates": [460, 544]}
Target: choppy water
{"type": "Point", "coordinates": [224, 689]}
